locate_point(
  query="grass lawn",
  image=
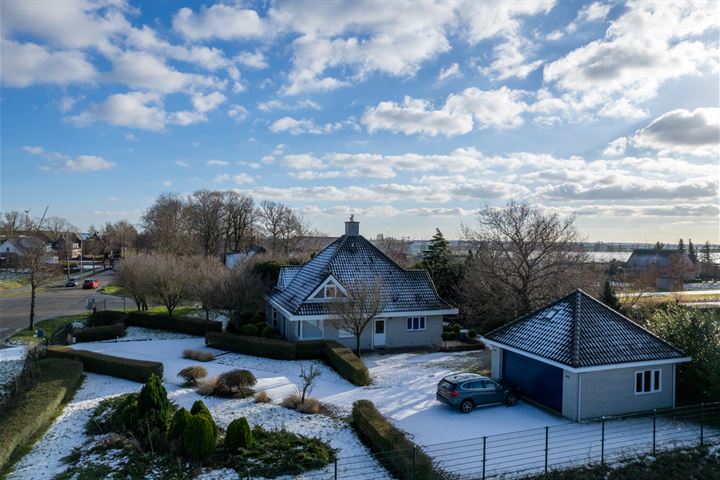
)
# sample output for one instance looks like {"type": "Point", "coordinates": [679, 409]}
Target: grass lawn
{"type": "Point", "coordinates": [116, 290]}
{"type": "Point", "coordinates": [178, 312]}
{"type": "Point", "coordinates": [49, 326]}
{"type": "Point", "coordinates": [11, 284]}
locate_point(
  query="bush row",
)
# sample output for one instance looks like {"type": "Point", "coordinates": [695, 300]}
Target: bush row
{"type": "Point", "coordinates": [191, 326]}
{"type": "Point", "coordinates": [129, 369]}
{"type": "Point", "coordinates": [31, 412]}
{"type": "Point", "coordinates": [401, 457]}
{"type": "Point", "coordinates": [347, 364]}
{"type": "Point", "coordinates": [96, 334]}
{"type": "Point", "coordinates": [102, 318]}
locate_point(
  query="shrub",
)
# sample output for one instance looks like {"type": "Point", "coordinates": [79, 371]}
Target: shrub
{"type": "Point", "coordinates": [129, 369]}
{"type": "Point", "coordinates": [262, 397]}
{"type": "Point", "coordinates": [199, 408]}
{"type": "Point", "coordinates": [199, 355]}
{"type": "Point", "coordinates": [250, 330]}
{"type": "Point", "coordinates": [472, 333]}
{"type": "Point", "coordinates": [235, 382]}
{"type": "Point", "coordinates": [310, 405]}
{"type": "Point", "coordinates": [191, 326]}
{"type": "Point", "coordinates": [192, 374]}
{"type": "Point", "coordinates": [125, 416]}
{"type": "Point", "coordinates": [393, 450]}
{"type": "Point", "coordinates": [312, 350]}
{"type": "Point", "coordinates": [207, 386]}
{"type": "Point", "coordinates": [448, 336]}
{"type": "Point", "coordinates": [455, 327]}
{"type": "Point", "coordinates": [153, 404]}
{"type": "Point", "coordinates": [177, 425]}
{"type": "Point", "coordinates": [199, 436]}
{"type": "Point", "coordinates": [269, 332]}
{"type": "Point", "coordinates": [347, 365]}
{"type": "Point", "coordinates": [102, 318]}
{"type": "Point", "coordinates": [239, 435]}
{"type": "Point", "coordinates": [96, 334]}
{"type": "Point", "coordinates": [28, 414]}
{"type": "Point", "coordinates": [260, 347]}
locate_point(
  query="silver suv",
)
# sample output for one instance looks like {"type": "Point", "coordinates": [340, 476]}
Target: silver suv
{"type": "Point", "coordinates": [466, 391]}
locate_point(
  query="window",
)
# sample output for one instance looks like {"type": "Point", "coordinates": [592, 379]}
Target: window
{"type": "Point", "coordinates": [274, 318]}
{"type": "Point", "coordinates": [345, 333]}
{"type": "Point", "coordinates": [328, 291]}
{"type": "Point", "coordinates": [647, 381]}
{"type": "Point", "coordinates": [309, 329]}
{"type": "Point", "coordinates": [416, 323]}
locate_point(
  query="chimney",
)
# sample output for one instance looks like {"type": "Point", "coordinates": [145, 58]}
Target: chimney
{"type": "Point", "coordinates": [352, 227]}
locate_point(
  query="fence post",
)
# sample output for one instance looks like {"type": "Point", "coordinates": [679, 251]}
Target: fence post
{"type": "Point", "coordinates": [654, 429]}
{"type": "Point", "coordinates": [484, 447]}
{"type": "Point", "coordinates": [336, 468]}
{"type": "Point", "coordinates": [602, 442]}
{"type": "Point", "coordinates": [702, 423]}
{"type": "Point", "coordinates": [546, 447]}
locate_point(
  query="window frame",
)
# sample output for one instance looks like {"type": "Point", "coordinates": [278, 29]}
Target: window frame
{"type": "Point", "coordinates": [421, 323]}
{"type": "Point", "coordinates": [300, 331]}
{"type": "Point", "coordinates": [342, 333]}
{"type": "Point", "coordinates": [655, 381]}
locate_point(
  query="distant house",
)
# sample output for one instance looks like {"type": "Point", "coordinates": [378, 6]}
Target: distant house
{"type": "Point", "coordinates": [11, 249]}
{"type": "Point", "coordinates": [300, 304]}
{"type": "Point", "coordinates": [230, 259]}
{"type": "Point", "coordinates": [671, 267]}
{"type": "Point", "coordinates": [67, 245]}
{"type": "Point", "coordinates": [582, 359]}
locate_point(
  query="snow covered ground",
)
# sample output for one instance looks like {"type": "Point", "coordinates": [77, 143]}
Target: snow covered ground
{"type": "Point", "coordinates": [11, 364]}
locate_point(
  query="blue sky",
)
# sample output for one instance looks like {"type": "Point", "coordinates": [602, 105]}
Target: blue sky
{"type": "Point", "coordinates": [410, 115]}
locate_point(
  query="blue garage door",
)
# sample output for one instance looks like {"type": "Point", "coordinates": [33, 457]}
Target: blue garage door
{"type": "Point", "coordinates": [536, 380]}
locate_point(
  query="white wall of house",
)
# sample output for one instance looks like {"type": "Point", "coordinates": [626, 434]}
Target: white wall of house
{"type": "Point", "coordinates": [9, 247]}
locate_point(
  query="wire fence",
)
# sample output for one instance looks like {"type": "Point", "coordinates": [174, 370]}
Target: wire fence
{"type": "Point", "coordinates": [517, 454]}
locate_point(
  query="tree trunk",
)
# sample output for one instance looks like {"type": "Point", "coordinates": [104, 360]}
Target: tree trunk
{"type": "Point", "coordinates": [357, 345]}
{"type": "Point", "coordinates": [32, 306]}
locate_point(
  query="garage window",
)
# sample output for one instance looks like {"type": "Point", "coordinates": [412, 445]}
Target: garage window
{"type": "Point", "coordinates": [647, 381]}
{"type": "Point", "coordinates": [416, 323]}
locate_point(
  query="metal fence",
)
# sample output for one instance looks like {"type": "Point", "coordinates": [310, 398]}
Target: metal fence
{"type": "Point", "coordinates": [538, 451]}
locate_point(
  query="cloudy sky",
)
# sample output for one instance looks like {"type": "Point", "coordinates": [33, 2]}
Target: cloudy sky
{"type": "Point", "coordinates": [411, 115]}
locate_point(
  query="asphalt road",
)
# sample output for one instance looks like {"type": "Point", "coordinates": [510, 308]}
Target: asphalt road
{"type": "Point", "coordinates": [54, 301]}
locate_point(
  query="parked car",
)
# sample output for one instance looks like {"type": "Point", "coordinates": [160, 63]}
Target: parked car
{"type": "Point", "coordinates": [73, 282]}
{"type": "Point", "coordinates": [466, 391]}
{"type": "Point", "coordinates": [90, 283]}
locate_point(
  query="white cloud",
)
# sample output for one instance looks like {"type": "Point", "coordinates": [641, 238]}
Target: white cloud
{"type": "Point", "coordinates": [276, 104]}
{"type": "Point", "coordinates": [238, 112]}
{"type": "Point", "coordinates": [182, 163]}
{"type": "Point", "coordinates": [207, 103]}
{"type": "Point", "coordinates": [240, 178]}
{"type": "Point", "coordinates": [186, 117]}
{"type": "Point", "coordinates": [225, 22]}
{"type": "Point", "coordinates": [25, 64]}
{"type": "Point", "coordinates": [33, 150]}
{"type": "Point", "coordinates": [302, 161]}
{"type": "Point", "coordinates": [449, 72]}
{"type": "Point", "coordinates": [88, 163]}
{"type": "Point", "coordinates": [304, 125]}
{"type": "Point", "coordinates": [682, 131]}
{"type": "Point", "coordinates": [147, 71]}
{"type": "Point", "coordinates": [616, 147]}
{"type": "Point", "coordinates": [217, 163]}
{"type": "Point", "coordinates": [594, 12]}
{"type": "Point", "coordinates": [167, 183]}
{"type": "Point", "coordinates": [135, 109]}
{"type": "Point", "coordinates": [252, 60]}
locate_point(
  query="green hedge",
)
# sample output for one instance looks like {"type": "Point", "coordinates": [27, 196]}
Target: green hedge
{"type": "Point", "coordinates": [96, 334]}
{"type": "Point", "coordinates": [346, 364]}
{"type": "Point", "coordinates": [191, 326]}
{"type": "Point", "coordinates": [33, 411]}
{"type": "Point", "coordinates": [129, 369]}
{"type": "Point", "coordinates": [102, 318]}
{"type": "Point", "coordinates": [256, 346]}
{"type": "Point", "coordinates": [401, 457]}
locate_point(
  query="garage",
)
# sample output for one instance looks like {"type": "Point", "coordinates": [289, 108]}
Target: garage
{"type": "Point", "coordinates": [536, 380]}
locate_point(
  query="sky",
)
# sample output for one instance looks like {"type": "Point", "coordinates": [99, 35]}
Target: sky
{"type": "Point", "coordinates": [411, 115]}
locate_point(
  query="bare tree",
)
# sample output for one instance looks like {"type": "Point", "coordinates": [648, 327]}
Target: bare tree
{"type": "Point", "coordinates": [119, 237]}
{"type": "Point", "coordinates": [354, 312]}
{"type": "Point", "coordinates": [134, 275]}
{"type": "Point", "coordinates": [281, 226]}
{"type": "Point", "coordinates": [240, 291]}
{"type": "Point", "coordinates": [206, 276]}
{"type": "Point", "coordinates": [164, 222]}
{"type": "Point", "coordinates": [56, 226]}
{"type": "Point", "coordinates": [524, 257]}
{"type": "Point", "coordinates": [206, 212]}
{"type": "Point", "coordinates": [170, 280]}
{"type": "Point", "coordinates": [34, 260]}
{"type": "Point", "coordinates": [11, 222]}
{"type": "Point", "coordinates": [397, 249]}
{"type": "Point", "coordinates": [240, 218]}
{"type": "Point", "coordinates": [309, 375]}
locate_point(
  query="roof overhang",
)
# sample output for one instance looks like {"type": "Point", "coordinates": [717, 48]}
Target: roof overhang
{"type": "Point", "coordinates": [594, 368]}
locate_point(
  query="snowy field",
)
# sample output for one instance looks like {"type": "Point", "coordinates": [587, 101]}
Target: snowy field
{"type": "Point", "coordinates": [11, 364]}
{"type": "Point", "coordinates": [403, 389]}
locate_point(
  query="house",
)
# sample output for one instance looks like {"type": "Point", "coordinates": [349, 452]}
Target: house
{"type": "Point", "coordinates": [582, 359]}
{"type": "Point", "coordinates": [300, 305]}
{"type": "Point", "coordinates": [11, 249]}
{"type": "Point", "coordinates": [68, 245]}
{"type": "Point", "coordinates": [230, 259]}
{"type": "Point", "coordinates": [671, 267]}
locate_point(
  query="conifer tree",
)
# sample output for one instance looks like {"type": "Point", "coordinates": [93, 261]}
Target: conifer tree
{"type": "Point", "coordinates": [437, 261]}
{"type": "Point", "coordinates": [691, 251]}
{"type": "Point", "coordinates": [681, 246]}
{"type": "Point", "coordinates": [609, 297]}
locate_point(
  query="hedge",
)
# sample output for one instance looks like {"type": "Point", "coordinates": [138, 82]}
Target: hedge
{"type": "Point", "coordinates": [191, 326]}
{"type": "Point", "coordinates": [401, 457]}
{"type": "Point", "coordinates": [102, 318]}
{"type": "Point", "coordinates": [33, 411]}
{"type": "Point", "coordinates": [96, 334]}
{"type": "Point", "coordinates": [129, 369]}
{"type": "Point", "coordinates": [346, 364]}
{"type": "Point", "coordinates": [256, 346]}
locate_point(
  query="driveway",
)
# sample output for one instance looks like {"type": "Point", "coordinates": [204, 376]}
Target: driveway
{"type": "Point", "coordinates": [53, 301]}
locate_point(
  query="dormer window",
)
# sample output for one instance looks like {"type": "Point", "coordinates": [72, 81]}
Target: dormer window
{"type": "Point", "coordinates": [328, 291]}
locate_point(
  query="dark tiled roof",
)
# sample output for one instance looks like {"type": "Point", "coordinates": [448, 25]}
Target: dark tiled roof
{"type": "Point", "coordinates": [353, 260]}
{"type": "Point", "coordinates": [579, 331]}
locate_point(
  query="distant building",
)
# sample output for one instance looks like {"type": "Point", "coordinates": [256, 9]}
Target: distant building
{"type": "Point", "coordinates": [671, 267]}
{"type": "Point", "coordinates": [233, 258]}
{"type": "Point", "coordinates": [68, 245]}
{"type": "Point", "coordinates": [11, 249]}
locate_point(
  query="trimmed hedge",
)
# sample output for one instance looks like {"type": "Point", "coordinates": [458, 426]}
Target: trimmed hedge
{"type": "Point", "coordinates": [256, 346]}
{"type": "Point", "coordinates": [401, 457]}
{"type": "Point", "coordinates": [33, 411]}
{"type": "Point", "coordinates": [96, 334]}
{"type": "Point", "coordinates": [129, 369]}
{"type": "Point", "coordinates": [191, 326]}
{"type": "Point", "coordinates": [347, 364]}
{"type": "Point", "coordinates": [102, 318]}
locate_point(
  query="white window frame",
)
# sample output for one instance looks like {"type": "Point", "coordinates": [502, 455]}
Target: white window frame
{"type": "Point", "coordinates": [342, 333]}
{"type": "Point", "coordinates": [330, 283]}
{"type": "Point", "coordinates": [420, 320]}
{"type": "Point", "coordinates": [299, 330]}
{"type": "Point", "coordinates": [653, 388]}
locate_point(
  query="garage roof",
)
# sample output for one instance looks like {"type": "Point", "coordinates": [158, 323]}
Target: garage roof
{"type": "Point", "coordinates": [579, 331]}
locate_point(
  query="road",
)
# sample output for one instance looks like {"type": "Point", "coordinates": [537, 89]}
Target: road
{"type": "Point", "coordinates": [54, 301]}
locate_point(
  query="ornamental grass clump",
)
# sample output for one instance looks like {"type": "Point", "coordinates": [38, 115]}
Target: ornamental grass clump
{"type": "Point", "coordinates": [199, 355]}
{"type": "Point", "coordinates": [235, 383]}
{"type": "Point", "coordinates": [192, 374]}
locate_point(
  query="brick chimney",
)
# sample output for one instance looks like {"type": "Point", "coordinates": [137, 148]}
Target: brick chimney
{"type": "Point", "coordinates": [352, 227]}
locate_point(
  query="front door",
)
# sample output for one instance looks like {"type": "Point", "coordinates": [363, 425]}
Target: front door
{"type": "Point", "coordinates": [379, 333]}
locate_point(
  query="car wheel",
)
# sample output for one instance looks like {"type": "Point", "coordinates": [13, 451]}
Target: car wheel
{"type": "Point", "coordinates": [467, 406]}
{"type": "Point", "coordinates": [511, 399]}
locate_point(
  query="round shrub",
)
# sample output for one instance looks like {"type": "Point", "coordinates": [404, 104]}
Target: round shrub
{"type": "Point", "coordinates": [125, 416]}
{"type": "Point", "coordinates": [236, 382]}
{"type": "Point", "coordinates": [455, 327]}
{"type": "Point", "coordinates": [199, 408]}
{"type": "Point", "coordinates": [178, 424]}
{"type": "Point", "coordinates": [472, 333]}
{"type": "Point", "coordinates": [250, 330]}
{"type": "Point", "coordinates": [153, 403]}
{"type": "Point", "coordinates": [199, 436]}
{"type": "Point", "coordinates": [268, 332]}
{"type": "Point", "coordinates": [448, 336]}
{"type": "Point", "coordinates": [239, 435]}
{"type": "Point", "coordinates": [261, 326]}
{"type": "Point", "coordinates": [192, 374]}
